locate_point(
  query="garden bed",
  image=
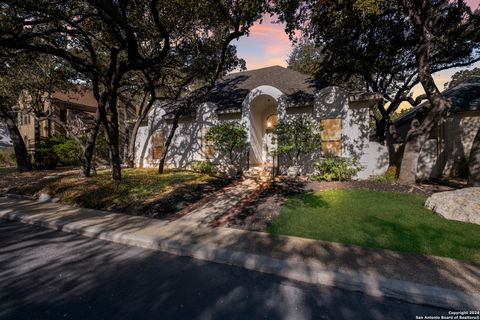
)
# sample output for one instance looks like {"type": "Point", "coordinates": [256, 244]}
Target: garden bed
{"type": "Point", "coordinates": [141, 191]}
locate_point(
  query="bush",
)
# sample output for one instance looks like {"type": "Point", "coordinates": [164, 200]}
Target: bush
{"type": "Point", "coordinates": [296, 136]}
{"type": "Point", "coordinates": [336, 169]}
{"type": "Point", "coordinates": [229, 139]}
{"type": "Point", "coordinates": [58, 150]}
{"type": "Point", "coordinates": [7, 157]}
{"type": "Point", "coordinates": [68, 151]}
{"type": "Point", "coordinates": [390, 175]}
{"type": "Point", "coordinates": [202, 166]}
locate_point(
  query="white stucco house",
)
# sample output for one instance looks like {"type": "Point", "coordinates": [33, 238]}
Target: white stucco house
{"type": "Point", "coordinates": [446, 152]}
{"type": "Point", "coordinates": [259, 99]}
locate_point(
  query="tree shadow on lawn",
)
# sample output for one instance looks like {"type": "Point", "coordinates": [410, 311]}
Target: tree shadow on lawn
{"type": "Point", "coordinates": [265, 207]}
{"type": "Point", "coordinates": [139, 193]}
{"type": "Point", "coordinates": [161, 200]}
{"type": "Point", "coordinates": [460, 241]}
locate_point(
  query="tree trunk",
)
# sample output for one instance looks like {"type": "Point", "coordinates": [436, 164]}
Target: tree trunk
{"type": "Point", "coordinates": [21, 154]}
{"type": "Point", "coordinates": [174, 127]}
{"type": "Point", "coordinates": [417, 136]}
{"type": "Point", "coordinates": [36, 153]}
{"type": "Point", "coordinates": [109, 118]}
{"type": "Point", "coordinates": [474, 163]}
{"type": "Point", "coordinates": [89, 149]}
{"type": "Point", "coordinates": [132, 140]}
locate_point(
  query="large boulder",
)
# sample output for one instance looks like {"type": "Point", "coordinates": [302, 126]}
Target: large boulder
{"type": "Point", "coordinates": [461, 205]}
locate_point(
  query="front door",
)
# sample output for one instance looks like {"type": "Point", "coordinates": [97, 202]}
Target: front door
{"type": "Point", "coordinates": [268, 146]}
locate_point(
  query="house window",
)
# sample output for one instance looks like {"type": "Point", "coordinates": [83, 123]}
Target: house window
{"type": "Point", "coordinates": [63, 115]}
{"type": "Point", "coordinates": [331, 137]}
{"type": "Point", "coordinates": [157, 145]}
{"type": "Point", "coordinates": [24, 119]}
{"type": "Point", "coordinates": [208, 149]}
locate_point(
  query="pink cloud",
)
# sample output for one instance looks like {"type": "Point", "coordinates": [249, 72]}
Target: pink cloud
{"type": "Point", "coordinates": [473, 3]}
{"type": "Point", "coordinates": [266, 45]}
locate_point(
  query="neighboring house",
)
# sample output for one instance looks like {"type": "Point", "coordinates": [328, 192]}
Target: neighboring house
{"type": "Point", "coordinates": [72, 110]}
{"type": "Point", "coordinates": [259, 99]}
{"type": "Point", "coordinates": [69, 113]}
{"type": "Point", "coordinates": [448, 147]}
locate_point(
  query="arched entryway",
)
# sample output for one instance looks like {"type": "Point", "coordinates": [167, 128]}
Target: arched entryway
{"type": "Point", "coordinates": [261, 110]}
{"type": "Point", "coordinates": [263, 117]}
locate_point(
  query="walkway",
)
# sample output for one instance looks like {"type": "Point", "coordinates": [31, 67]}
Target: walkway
{"type": "Point", "coordinates": [411, 277]}
{"type": "Point", "coordinates": [223, 201]}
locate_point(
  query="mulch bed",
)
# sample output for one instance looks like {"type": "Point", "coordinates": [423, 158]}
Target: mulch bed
{"type": "Point", "coordinates": [265, 207]}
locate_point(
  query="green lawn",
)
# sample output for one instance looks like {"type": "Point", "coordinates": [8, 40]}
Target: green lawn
{"type": "Point", "coordinates": [377, 219]}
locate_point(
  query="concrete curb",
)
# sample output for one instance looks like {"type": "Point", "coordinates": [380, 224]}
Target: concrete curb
{"type": "Point", "coordinates": [18, 196]}
{"type": "Point", "coordinates": [305, 271]}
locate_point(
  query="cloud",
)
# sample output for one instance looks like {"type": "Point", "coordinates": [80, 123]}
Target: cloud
{"type": "Point", "coordinates": [473, 3]}
{"type": "Point", "coordinates": [266, 45]}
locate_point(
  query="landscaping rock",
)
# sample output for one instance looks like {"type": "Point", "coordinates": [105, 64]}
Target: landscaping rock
{"type": "Point", "coordinates": [461, 205]}
{"type": "Point", "coordinates": [44, 197]}
{"type": "Point", "coordinates": [50, 178]}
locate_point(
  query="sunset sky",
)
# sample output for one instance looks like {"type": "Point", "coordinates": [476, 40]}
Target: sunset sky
{"type": "Point", "coordinates": [268, 45]}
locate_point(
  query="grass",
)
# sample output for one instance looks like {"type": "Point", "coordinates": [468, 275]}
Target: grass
{"type": "Point", "coordinates": [377, 219]}
{"type": "Point", "coordinates": [138, 188]}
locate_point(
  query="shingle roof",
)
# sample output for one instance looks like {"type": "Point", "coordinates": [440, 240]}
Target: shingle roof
{"type": "Point", "coordinates": [232, 89]}
{"type": "Point", "coordinates": [465, 97]}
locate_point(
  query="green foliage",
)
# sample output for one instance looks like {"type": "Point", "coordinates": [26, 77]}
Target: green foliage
{"type": "Point", "coordinates": [296, 136]}
{"type": "Point", "coordinates": [377, 219]}
{"type": "Point", "coordinates": [390, 175]}
{"type": "Point", "coordinates": [67, 149]}
{"type": "Point", "coordinates": [202, 167]}
{"type": "Point", "coordinates": [336, 169]}
{"type": "Point", "coordinates": [58, 149]}
{"type": "Point", "coordinates": [376, 42]}
{"type": "Point", "coordinates": [305, 57]}
{"type": "Point", "coordinates": [460, 76]}
{"type": "Point", "coordinates": [7, 157]}
{"type": "Point", "coordinates": [228, 138]}
{"type": "Point", "coordinates": [102, 151]}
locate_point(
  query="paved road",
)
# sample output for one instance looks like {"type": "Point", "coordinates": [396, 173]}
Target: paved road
{"type": "Point", "coordinates": [46, 274]}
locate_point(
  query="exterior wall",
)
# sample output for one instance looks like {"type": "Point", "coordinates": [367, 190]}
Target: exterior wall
{"type": "Point", "coordinates": [449, 145]}
{"type": "Point", "coordinates": [457, 134]}
{"type": "Point", "coordinates": [331, 102]}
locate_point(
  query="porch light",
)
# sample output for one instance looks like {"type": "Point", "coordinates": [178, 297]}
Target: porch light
{"type": "Point", "coordinates": [271, 121]}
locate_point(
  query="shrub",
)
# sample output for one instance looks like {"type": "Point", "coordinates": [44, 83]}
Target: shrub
{"type": "Point", "coordinates": [390, 175]}
{"type": "Point", "coordinates": [336, 168]}
{"type": "Point", "coordinates": [300, 135]}
{"type": "Point", "coordinates": [68, 151]}
{"type": "Point", "coordinates": [7, 157]}
{"type": "Point", "coordinates": [58, 150]}
{"type": "Point", "coordinates": [202, 166]}
{"type": "Point", "coordinates": [229, 138]}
